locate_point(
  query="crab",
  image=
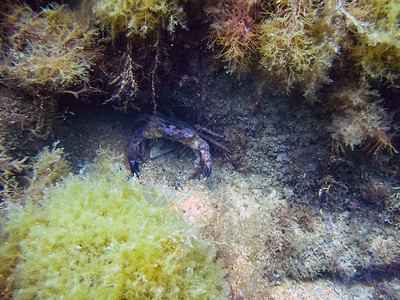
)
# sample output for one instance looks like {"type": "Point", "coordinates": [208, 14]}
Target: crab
{"type": "Point", "coordinates": [160, 126]}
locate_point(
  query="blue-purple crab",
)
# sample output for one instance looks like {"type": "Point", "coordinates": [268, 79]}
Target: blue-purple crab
{"type": "Point", "coordinates": [160, 126]}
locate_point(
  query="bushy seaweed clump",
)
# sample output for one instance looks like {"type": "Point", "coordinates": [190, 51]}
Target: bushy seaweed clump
{"type": "Point", "coordinates": [359, 119]}
{"type": "Point", "coordinates": [375, 53]}
{"type": "Point", "coordinates": [48, 167]}
{"type": "Point", "coordinates": [295, 41]}
{"type": "Point", "coordinates": [297, 44]}
{"type": "Point", "coordinates": [100, 235]}
{"type": "Point", "coordinates": [52, 50]}
{"type": "Point", "coordinates": [8, 164]}
{"type": "Point", "coordinates": [139, 18]}
{"type": "Point", "coordinates": [234, 31]}
{"type": "Point", "coordinates": [146, 28]}
{"type": "Point", "coordinates": [376, 25]}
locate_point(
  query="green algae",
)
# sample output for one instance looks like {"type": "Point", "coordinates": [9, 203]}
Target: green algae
{"type": "Point", "coordinates": [99, 234]}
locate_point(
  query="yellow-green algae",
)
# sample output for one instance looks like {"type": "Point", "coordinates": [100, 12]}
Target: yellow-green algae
{"type": "Point", "coordinates": [136, 17]}
{"type": "Point", "coordinates": [47, 51]}
{"type": "Point", "coordinates": [99, 235]}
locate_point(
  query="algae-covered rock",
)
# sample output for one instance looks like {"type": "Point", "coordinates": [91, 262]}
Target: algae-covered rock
{"type": "Point", "coordinates": [101, 235]}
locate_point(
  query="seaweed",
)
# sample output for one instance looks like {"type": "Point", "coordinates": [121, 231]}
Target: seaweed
{"type": "Point", "coordinates": [98, 234]}
{"type": "Point", "coordinates": [48, 51]}
{"type": "Point", "coordinates": [234, 32]}
{"type": "Point", "coordinates": [359, 119]}
{"type": "Point", "coordinates": [375, 25]}
{"type": "Point", "coordinates": [297, 45]}
{"type": "Point", "coordinates": [139, 18]}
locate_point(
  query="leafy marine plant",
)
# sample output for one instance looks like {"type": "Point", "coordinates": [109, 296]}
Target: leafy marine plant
{"type": "Point", "coordinates": [99, 234]}
{"type": "Point", "coordinates": [293, 41]}
{"type": "Point", "coordinates": [9, 165]}
{"type": "Point", "coordinates": [376, 26]}
{"type": "Point", "coordinates": [146, 30]}
{"type": "Point", "coordinates": [45, 52]}
{"type": "Point", "coordinates": [298, 41]}
{"type": "Point", "coordinates": [234, 31]}
{"type": "Point", "coordinates": [302, 45]}
{"type": "Point", "coordinates": [297, 44]}
{"type": "Point", "coordinates": [359, 119]}
{"type": "Point", "coordinates": [139, 18]}
{"type": "Point", "coordinates": [48, 167]}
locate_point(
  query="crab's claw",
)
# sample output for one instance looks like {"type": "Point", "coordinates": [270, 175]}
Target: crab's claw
{"type": "Point", "coordinates": [134, 167]}
{"type": "Point", "coordinates": [203, 161]}
{"type": "Point", "coordinates": [134, 155]}
{"type": "Point", "coordinates": [207, 171]}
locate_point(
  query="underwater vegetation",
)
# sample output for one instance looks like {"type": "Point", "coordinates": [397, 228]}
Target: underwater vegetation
{"type": "Point", "coordinates": [299, 44]}
{"type": "Point", "coordinates": [295, 38]}
{"type": "Point", "coordinates": [127, 52]}
{"type": "Point", "coordinates": [42, 55]}
{"type": "Point", "coordinates": [139, 18]}
{"type": "Point", "coordinates": [234, 31]}
{"type": "Point", "coordinates": [212, 62]}
{"type": "Point", "coordinates": [22, 120]}
{"type": "Point", "coordinates": [48, 167]}
{"type": "Point", "coordinates": [293, 41]}
{"type": "Point", "coordinates": [376, 26]}
{"type": "Point", "coordinates": [47, 51]}
{"type": "Point", "coordinates": [144, 30]}
{"type": "Point", "coordinates": [98, 234]}
{"type": "Point", "coordinates": [360, 119]}
{"type": "Point", "coordinates": [8, 164]}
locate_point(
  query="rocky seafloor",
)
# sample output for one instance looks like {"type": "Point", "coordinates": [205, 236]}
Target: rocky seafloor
{"type": "Point", "coordinates": [292, 217]}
